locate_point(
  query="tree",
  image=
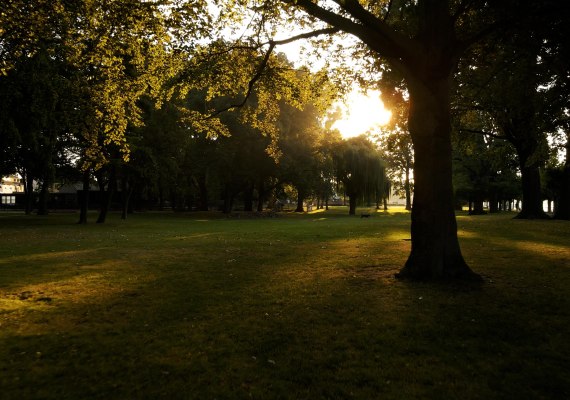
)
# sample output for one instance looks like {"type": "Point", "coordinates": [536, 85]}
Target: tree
{"type": "Point", "coordinates": [484, 169]}
{"type": "Point", "coordinates": [113, 51]}
{"type": "Point", "coordinates": [396, 144]}
{"type": "Point", "coordinates": [300, 136]}
{"type": "Point", "coordinates": [423, 40]}
{"type": "Point", "coordinates": [360, 169]}
{"type": "Point", "coordinates": [31, 120]}
{"type": "Point", "coordinates": [555, 54]}
{"type": "Point", "coordinates": [506, 87]}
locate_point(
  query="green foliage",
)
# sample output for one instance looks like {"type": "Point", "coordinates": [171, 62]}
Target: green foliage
{"type": "Point", "coordinates": [361, 170]}
{"type": "Point", "coordinates": [32, 118]}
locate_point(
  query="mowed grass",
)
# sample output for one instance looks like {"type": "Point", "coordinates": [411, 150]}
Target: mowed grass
{"type": "Point", "coordinates": [199, 306]}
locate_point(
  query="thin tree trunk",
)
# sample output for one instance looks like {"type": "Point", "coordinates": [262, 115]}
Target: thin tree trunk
{"type": "Point", "coordinates": [126, 192]}
{"type": "Point", "coordinates": [107, 196]}
{"type": "Point", "coordinates": [261, 196]}
{"type": "Point", "coordinates": [562, 206]}
{"type": "Point", "coordinates": [228, 200]}
{"type": "Point", "coordinates": [248, 197]}
{"type": "Point", "coordinates": [493, 204]}
{"type": "Point", "coordinates": [84, 198]}
{"type": "Point", "coordinates": [351, 205]}
{"type": "Point", "coordinates": [42, 203]}
{"type": "Point", "coordinates": [476, 205]}
{"type": "Point", "coordinates": [28, 193]}
{"type": "Point", "coordinates": [407, 188]}
{"type": "Point", "coordinates": [203, 189]}
{"type": "Point", "coordinates": [300, 198]}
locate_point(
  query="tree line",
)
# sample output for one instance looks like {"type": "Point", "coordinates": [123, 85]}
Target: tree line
{"type": "Point", "coordinates": [150, 97]}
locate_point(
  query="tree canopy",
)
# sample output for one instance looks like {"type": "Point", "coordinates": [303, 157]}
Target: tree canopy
{"type": "Point", "coordinates": [192, 101]}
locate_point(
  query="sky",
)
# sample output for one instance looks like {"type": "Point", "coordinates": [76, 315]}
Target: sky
{"type": "Point", "coordinates": [361, 111]}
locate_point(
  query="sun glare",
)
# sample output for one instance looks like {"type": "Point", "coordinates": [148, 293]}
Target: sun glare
{"type": "Point", "coordinates": [361, 113]}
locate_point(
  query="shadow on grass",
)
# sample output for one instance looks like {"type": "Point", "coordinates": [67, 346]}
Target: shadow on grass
{"type": "Point", "coordinates": [239, 314]}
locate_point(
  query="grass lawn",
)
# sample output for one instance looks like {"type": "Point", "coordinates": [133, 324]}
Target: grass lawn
{"type": "Point", "coordinates": [199, 306]}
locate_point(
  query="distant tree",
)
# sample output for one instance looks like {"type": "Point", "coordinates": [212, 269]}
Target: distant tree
{"type": "Point", "coordinates": [484, 170]}
{"type": "Point", "coordinates": [509, 91]}
{"type": "Point", "coordinates": [31, 121]}
{"type": "Point", "coordinates": [396, 145]}
{"type": "Point", "coordinates": [523, 86]}
{"type": "Point", "coordinates": [361, 170]}
{"type": "Point", "coordinates": [300, 136]}
{"type": "Point", "coordinates": [325, 162]}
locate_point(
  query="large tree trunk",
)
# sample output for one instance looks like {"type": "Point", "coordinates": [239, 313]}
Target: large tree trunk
{"type": "Point", "coordinates": [435, 250]}
{"type": "Point", "coordinates": [532, 197]}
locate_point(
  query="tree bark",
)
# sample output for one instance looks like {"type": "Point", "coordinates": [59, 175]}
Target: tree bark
{"type": "Point", "coordinates": [477, 208]}
{"type": "Point", "coordinates": [126, 192]}
{"type": "Point", "coordinates": [435, 250]}
{"type": "Point", "coordinates": [407, 188]}
{"type": "Point", "coordinates": [427, 62]}
{"type": "Point", "coordinates": [493, 203]}
{"type": "Point", "coordinates": [532, 198]}
{"type": "Point", "coordinates": [352, 205]}
{"type": "Point", "coordinates": [42, 202]}
{"type": "Point", "coordinates": [248, 197]}
{"type": "Point", "coordinates": [203, 189]}
{"type": "Point", "coordinates": [260, 196]}
{"type": "Point", "coordinates": [228, 200]}
{"type": "Point", "coordinates": [562, 206]}
{"type": "Point", "coordinates": [84, 198]}
{"type": "Point", "coordinates": [28, 192]}
{"type": "Point", "coordinates": [106, 196]}
{"type": "Point", "coordinates": [300, 198]}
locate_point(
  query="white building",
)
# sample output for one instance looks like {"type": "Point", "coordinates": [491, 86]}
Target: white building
{"type": "Point", "coordinates": [9, 186]}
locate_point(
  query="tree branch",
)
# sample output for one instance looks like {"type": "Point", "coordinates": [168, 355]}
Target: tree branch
{"type": "Point", "coordinates": [306, 35]}
{"type": "Point", "coordinates": [393, 42]}
{"type": "Point", "coordinates": [485, 133]}
{"type": "Point", "coordinates": [371, 30]}
{"type": "Point", "coordinates": [265, 61]}
{"type": "Point", "coordinates": [250, 85]}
